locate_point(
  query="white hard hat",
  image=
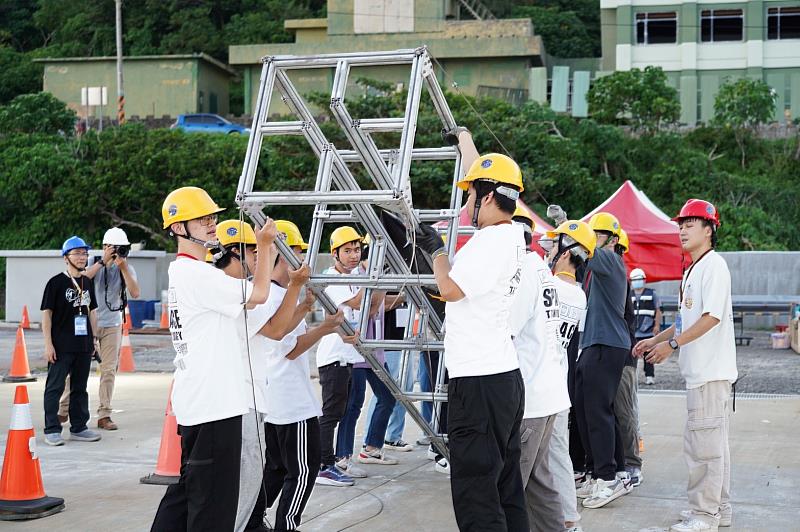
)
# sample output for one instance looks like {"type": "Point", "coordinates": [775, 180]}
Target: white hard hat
{"type": "Point", "coordinates": [638, 273]}
{"type": "Point", "coordinates": [116, 237]}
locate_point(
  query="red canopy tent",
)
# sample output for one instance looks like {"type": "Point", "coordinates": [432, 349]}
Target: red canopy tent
{"type": "Point", "coordinates": [655, 244]}
{"type": "Point", "coordinates": [465, 227]}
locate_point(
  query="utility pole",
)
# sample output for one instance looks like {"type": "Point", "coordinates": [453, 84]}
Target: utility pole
{"type": "Point", "coordinates": [120, 91]}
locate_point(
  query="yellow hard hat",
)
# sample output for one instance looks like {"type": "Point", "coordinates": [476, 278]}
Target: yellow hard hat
{"type": "Point", "coordinates": [187, 203]}
{"type": "Point", "coordinates": [605, 221]}
{"type": "Point", "coordinates": [493, 167]}
{"type": "Point", "coordinates": [578, 231]}
{"type": "Point", "coordinates": [292, 234]}
{"type": "Point", "coordinates": [624, 241]}
{"type": "Point", "coordinates": [519, 212]}
{"type": "Point", "coordinates": [343, 235]}
{"type": "Point", "coordinates": [236, 232]}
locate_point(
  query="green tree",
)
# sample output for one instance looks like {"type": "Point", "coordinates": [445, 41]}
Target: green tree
{"type": "Point", "coordinates": [18, 74]}
{"type": "Point", "coordinates": [741, 106]}
{"type": "Point", "coordinates": [640, 98]}
{"type": "Point", "coordinates": [36, 113]}
{"type": "Point", "coordinates": [563, 32]}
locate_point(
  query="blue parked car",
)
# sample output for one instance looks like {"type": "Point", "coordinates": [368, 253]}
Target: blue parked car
{"type": "Point", "coordinates": [208, 123]}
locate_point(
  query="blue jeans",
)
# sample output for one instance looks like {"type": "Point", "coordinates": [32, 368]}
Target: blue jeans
{"type": "Point", "coordinates": [424, 379]}
{"type": "Point", "coordinates": [376, 430]}
{"type": "Point", "coordinates": [397, 421]}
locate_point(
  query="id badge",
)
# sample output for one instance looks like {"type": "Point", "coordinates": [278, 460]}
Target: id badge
{"type": "Point", "coordinates": [81, 326]}
{"type": "Point", "coordinates": [678, 324]}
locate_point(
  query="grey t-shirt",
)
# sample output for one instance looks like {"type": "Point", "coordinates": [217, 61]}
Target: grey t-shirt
{"type": "Point", "coordinates": [607, 282]}
{"type": "Point", "coordinates": [105, 316]}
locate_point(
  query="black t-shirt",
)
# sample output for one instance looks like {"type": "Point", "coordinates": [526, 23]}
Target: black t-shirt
{"type": "Point", "coordinates": [66, 301]}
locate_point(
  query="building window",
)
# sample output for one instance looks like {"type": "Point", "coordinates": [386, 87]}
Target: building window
{"type": "Point", "coordinates": [656, 28]}
{"type": "Point", "coordinates": [783, 23]}
{"type": "Point", "coordinates": [718, 25]}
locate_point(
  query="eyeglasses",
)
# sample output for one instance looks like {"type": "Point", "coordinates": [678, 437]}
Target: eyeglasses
{"type": "Point", "coordinates": [207, 220]}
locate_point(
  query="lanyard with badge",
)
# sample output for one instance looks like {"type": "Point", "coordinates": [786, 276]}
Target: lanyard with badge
{"type": "Point", "coordinates": [81, 321]}
{"type": "Point", "coordinates": [678, 319]}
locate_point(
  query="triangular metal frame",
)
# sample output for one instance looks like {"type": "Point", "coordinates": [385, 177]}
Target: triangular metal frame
{"type": "Point", "coordinates": [335, 185]}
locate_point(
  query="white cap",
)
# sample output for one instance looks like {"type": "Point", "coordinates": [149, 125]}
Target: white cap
{"type": "Point", "coordinates": [116, 237]}
{"type": "Point", "coordinates": [638, 273]}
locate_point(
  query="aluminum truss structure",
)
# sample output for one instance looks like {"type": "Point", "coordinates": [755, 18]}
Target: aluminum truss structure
{"type": "Point", "coordinates": [336, 186]}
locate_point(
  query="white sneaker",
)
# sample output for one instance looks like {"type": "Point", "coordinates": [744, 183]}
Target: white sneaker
{"type": "Point", "coordinates": [347, 467]}
{"type": "Point", "coordinates": [432, 452]}
{"type": "Point", "coordinates": [442, 466]}
{"type": "Point", "coordinates": [725, 516]}
{"type": "Point", "coordinates": [625, 478]}
{"type": "Point", "coordinates": [693, 525]}
{"type": "Point", "coordinates": [575, 529]}
{"type": "Point", "coordinates": [585, 490]}
{"type": "Point", "coordinates": [605, 491]}
{"type": "Point", "coordinates": [400, 446]}
{"type": "Point", "coordinates": [649, 380]}
{"type": "Point", "coordinates": [375, 456]}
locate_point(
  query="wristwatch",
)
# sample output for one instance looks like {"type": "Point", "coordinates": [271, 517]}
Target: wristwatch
{"type": "Point", "coordinates": [673, 343]}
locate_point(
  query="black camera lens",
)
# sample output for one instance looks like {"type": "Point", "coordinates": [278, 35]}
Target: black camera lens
{"type": "Point", "coordinates": [122, 251]}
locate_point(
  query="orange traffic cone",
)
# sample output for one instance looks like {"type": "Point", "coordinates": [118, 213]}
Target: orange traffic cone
{"type": "Point", "coordinates": [20, 370]}
{"type": "Point", "coordinates": [168, 465]}
{"type": "Point", "coordinates": [164, 317]}
{"type": "Point", "coordinates": [126, 364]}
{"type": "Point", "coordinates": [26, 321]}
{"type": "Point", "coordinates": [22, 493]}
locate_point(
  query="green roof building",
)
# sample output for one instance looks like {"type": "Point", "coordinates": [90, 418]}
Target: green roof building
{"type": "Point", "coordinates": [155, 85]}
{"type": "Point", "coordinates": [484, 57]}
{"type": "Point", "coordinates": [702, 43]}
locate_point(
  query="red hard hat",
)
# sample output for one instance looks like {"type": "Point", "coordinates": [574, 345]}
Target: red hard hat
{"type": "Point", "coordinates": [695, 208]}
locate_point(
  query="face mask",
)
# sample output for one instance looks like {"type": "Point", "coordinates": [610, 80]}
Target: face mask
{"type": "Point", "coordinates": [637, 284]}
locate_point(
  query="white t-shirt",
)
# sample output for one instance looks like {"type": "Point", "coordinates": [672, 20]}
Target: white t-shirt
{"type": "Point", "coordinates": [534, 323]}
{"type": "Point", "coordinates": [707, 290]}
{"type": "Point", "coordinates": [289, 395]}
{"type": "Point", "coordinates": [572, 313]}
{"type": "Point", "coordinates": [332, 348]}
{"type": "Point", "coordinates": [258, 346]}
{"type": "Point", "coordinates": [487, 269]}
{"type": "Point", "coordinates": [204, 306]}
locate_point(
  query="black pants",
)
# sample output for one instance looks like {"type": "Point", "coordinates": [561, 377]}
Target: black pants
{"type": "Point", "coordinates": [577, 453]}
{"type": "Point", "coordinates": [484, 417]}
{"type": "Point", "coordinates": [207, 494]}
{"type": "Point", "coordinates": [335, 382]}
{"type": "Point", "coordinates": [76, 365]}
{"type": "Point", "coordinates": [597, 377]}
{"type": "Point", "coordinates": [649, 369]}
{"type": "Point", "coordinates": [292, 467]}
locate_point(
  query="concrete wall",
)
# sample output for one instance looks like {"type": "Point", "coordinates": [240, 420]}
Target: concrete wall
{"type": "Point", "coordinates": [756, 273]}
{"type": "Point", "coordinates": [27, 272]}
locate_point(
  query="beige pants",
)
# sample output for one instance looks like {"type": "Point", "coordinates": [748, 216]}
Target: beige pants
{"type": "Point", "coordinates": [705, 448]}
{"type": "Point", "coordinates": [110, 339]}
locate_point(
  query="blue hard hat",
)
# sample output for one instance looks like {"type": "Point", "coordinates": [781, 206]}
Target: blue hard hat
{"type": "Point", "coordinates": [74, 242]}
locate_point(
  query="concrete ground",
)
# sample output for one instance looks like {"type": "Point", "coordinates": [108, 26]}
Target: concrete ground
{"type": "Point", "coordinates": [100, 481]}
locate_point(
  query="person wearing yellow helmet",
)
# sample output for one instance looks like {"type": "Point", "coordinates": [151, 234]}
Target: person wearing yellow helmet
{"type": "Point", "coordinates": [486, 397]}
{"type": "Point", "coordinates": [335, 360]}
{"type": "Point", "coordinates": [208, 396]}
{"type": "Point", "coordinates": [624, 244]}
{"type": "Point", "coordinates": [534, 327]}
{"type": "Point", "coordinates": [605, 345]}
{"type": "Point", "coordinates": [571, 244]}
{"type": "Point", "coordinates": [607, 228]}
{"type": "Point", "coordinates": [523, 217]}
